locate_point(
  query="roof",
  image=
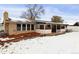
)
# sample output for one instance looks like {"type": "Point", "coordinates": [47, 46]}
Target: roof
{"type": "Point", "coordinates": [23, 20]}
{"type": "Point", "coordinates": [55, 22]}
{"type": "Point", "coordinates": [49, 22]}
{"type": "Point", "coordinates": [19, 20]}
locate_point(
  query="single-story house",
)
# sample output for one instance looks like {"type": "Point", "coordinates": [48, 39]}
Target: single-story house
{"type": "Point", "coordinates": [16, 26]}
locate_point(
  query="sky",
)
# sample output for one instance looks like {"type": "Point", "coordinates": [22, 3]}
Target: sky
{"type": "Point", "coordinates": [68, 12]}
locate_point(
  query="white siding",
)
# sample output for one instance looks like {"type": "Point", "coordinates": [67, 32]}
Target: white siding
{"type": "Point", "coordinates": [61, 30]}
{"type": "Point", "coordinates": [43, 31]}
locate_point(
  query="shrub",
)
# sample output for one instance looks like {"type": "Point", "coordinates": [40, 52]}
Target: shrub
{"type": "Point", "coordinates": [3, 34]}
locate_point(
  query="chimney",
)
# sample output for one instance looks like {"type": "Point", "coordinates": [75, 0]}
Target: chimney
{"type": "Point", "coordinates": [5, 22]}
{"type": "Point", "coordinates": [5, 16]}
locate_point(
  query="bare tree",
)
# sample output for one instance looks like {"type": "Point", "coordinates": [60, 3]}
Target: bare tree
{"type": "Point", "coordinates": [33, 12]}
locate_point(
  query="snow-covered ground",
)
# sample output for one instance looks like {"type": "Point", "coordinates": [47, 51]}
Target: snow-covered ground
{"type": "Point", "coordinates": [65, 43]}
{"type": "Point", "coordinates": [4, 39]}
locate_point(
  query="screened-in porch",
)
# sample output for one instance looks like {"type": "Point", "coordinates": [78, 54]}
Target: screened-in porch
{"type": "Point", "coordinates": [58, 27]}
{"type": "Point", "coordinates": [50, 28]}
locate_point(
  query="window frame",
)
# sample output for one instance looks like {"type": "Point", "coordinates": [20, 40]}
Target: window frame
{"type": "Point", "coordinates": [23, 28]}
{"type": "Point", "coordinates": [19, 29]}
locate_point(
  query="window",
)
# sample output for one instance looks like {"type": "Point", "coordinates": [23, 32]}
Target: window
{"type": "Point", "coordinates": [32, 26]}
{"type": "Point", "coordinates": [23, 26]}
{"type": "Point", "coordinates": [18, 27]}
{"type": "Point", "coordinates": [41, 26]}
{"type": "Point", "coordinates": [48, 26]}
{"type": "Point", "coordinates": [28, 26]}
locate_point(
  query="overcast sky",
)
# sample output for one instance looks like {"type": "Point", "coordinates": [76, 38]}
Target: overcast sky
{"type": "Point", "coordinates": [69, 12]}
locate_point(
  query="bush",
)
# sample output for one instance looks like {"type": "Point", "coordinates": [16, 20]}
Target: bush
{"type": "Point", "coordinates": [3, 34]}
{"type": "Point", "coordinates": [2, 31]}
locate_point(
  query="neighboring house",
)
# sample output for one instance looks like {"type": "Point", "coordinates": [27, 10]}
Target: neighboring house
{"type": "Point", "coordinates": [74, 27]}
{"type": "Point", "coordinates": [16, 26]}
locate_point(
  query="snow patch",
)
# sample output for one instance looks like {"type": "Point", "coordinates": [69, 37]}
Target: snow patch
{"type": "Point", "coordinates": [4, 39]}
{"type": "Point", "coordinates": [66, 43]}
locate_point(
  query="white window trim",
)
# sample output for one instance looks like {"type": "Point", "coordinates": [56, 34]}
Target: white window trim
{"type": "Point", "coordinates": [26, 27]}
{"type": "Point", "coordinates": [21, 27]}
{"type": "Point", "coordinates": [44, 26]}
{"type": "Point", "coordinates": [30, 27]}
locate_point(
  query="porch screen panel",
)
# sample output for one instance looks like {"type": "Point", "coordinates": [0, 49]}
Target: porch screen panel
{"type": "Point", "coordinates": [58, 26]}
{"type": "Point", "coordinates": [41, 26]}
{"type": "Point", "coordinates": [28, 26]}
{"type": "Point", "coordinates": [48, 26]}
{"type": "Point", "coordinates": [32, 26]}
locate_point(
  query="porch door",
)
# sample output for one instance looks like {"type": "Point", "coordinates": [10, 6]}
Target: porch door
{"type": "Point", "coordinates": [53, 28]}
